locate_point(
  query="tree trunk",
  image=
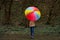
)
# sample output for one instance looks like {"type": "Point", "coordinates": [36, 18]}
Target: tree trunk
{"type": "Point", "coordinates": [8, 12]}
{"type": "Point", "coordinates": [50, 13]}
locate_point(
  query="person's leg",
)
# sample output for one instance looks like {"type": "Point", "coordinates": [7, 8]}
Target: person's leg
{"type": "Point", "coordinates": [32, 32]}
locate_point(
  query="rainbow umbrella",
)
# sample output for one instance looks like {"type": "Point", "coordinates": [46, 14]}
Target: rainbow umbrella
{"type": "Point", "coordinates": [32, 13]}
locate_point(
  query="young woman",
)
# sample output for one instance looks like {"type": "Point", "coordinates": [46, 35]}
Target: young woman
{"type": "Point", "coordinates": [32, 25]}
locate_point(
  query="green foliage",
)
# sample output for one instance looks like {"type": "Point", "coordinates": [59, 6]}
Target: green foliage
{"type": "Point", "coordinates": [46, 30]}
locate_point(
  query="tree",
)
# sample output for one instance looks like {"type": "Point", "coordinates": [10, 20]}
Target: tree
{"type": "Point", "coordinates": [8, 5]}
{"type": "Point", "coordinates": [51, 11]}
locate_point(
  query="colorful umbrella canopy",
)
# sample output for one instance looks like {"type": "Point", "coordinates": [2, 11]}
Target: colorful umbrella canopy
{"type": "Point", "coordinates": [32, 13]}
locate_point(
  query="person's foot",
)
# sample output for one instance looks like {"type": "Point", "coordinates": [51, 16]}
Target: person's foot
{"type": "Point", "coordinates": [32, 37]}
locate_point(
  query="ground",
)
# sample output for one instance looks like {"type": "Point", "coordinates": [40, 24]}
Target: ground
{"type": "Point", "coordinates": [27, 37]}
{"type": "Point", "coordinates": [41, 33]}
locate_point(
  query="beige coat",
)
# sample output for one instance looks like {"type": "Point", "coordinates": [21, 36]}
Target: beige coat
{"type": "Point", "coordinates": [31, 24]}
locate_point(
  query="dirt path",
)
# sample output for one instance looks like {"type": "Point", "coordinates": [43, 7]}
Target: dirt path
{"type": "Point", "coordinates": [27, 37]}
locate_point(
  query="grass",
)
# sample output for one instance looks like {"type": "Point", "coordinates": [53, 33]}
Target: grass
{"type": "Point", "coordinates": [38, 30]}
{"type": "Point", "coordinates": [18, 33]}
